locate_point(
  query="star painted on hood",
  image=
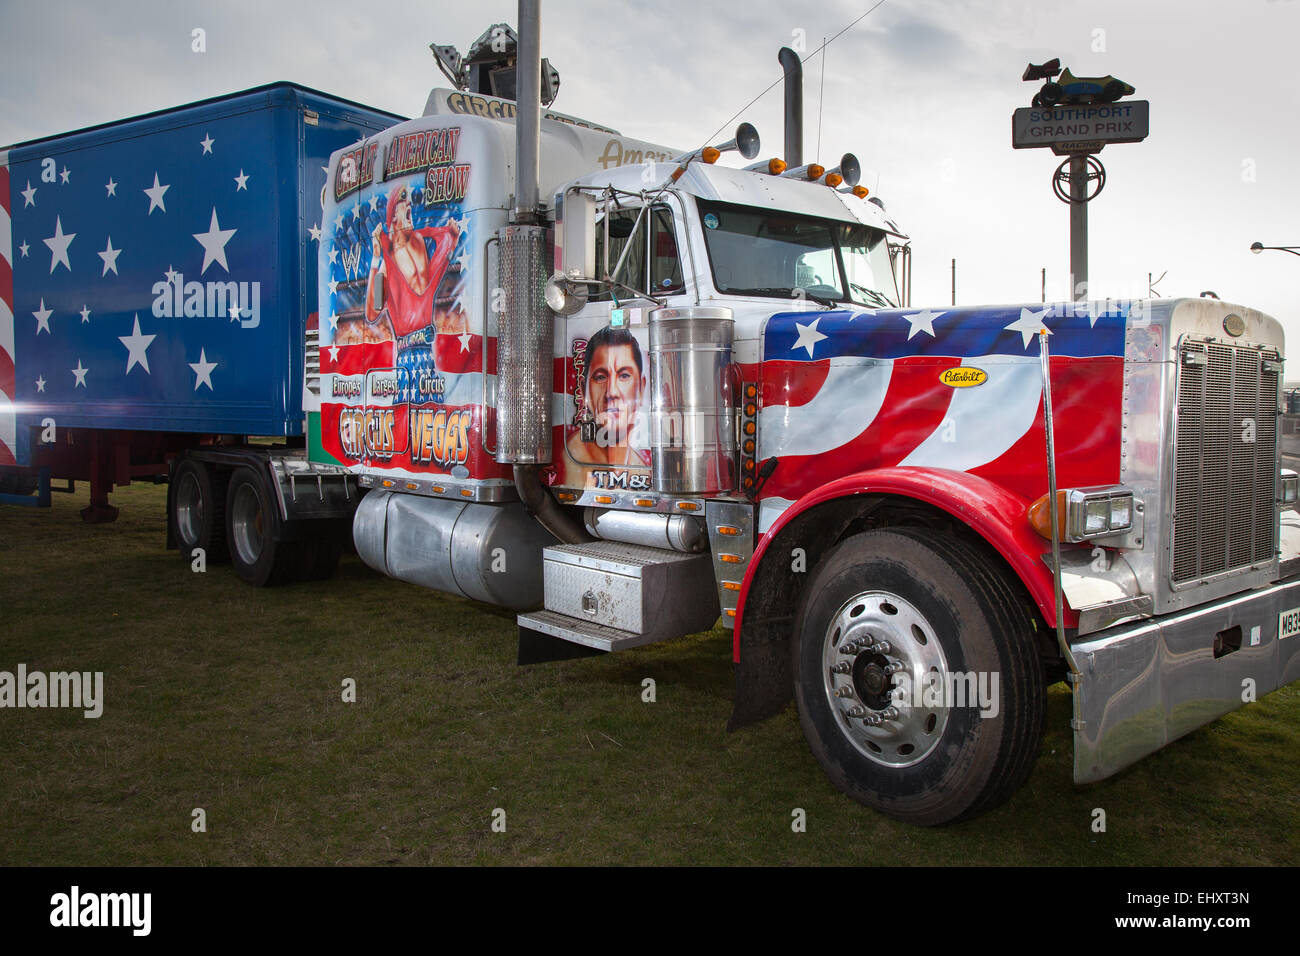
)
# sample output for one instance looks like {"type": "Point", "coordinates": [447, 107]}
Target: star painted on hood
{"type": "Point", "coordinates": [80, 372]}
{"type": "Point", "coordinates": [214, 244]}
{"type": "Point", "coordinates": [241, 181]}
{"type": "Point", "coordinates": [1028, 325]}
{"type": "Point", "coordinates": [202, 371]}
{"type": "Point", "coordinates": [29, 195]}
{"type": "Point", "coordinates": [206, 142]}
{"type": "Point", "coordinates": [58, 244]}
{"type": "Point", "coordinates": [111, 188]}
{"type": "Point", "coordinates": [808, 336]}
{"type": "Point", "coordinates": [42, 316]}
{"type": "Point", "coordinates": [137, 346]}
{"type": "Point", "coordinates": [23, 248]}
{"type": "Point", "coordinates": [922, 321]}
{"type": "Point", "coordinates": [109, 256]}
{"type": "Point", "coordinates": [155, 194]}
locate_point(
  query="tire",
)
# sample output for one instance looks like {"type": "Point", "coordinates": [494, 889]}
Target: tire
{"type": "Point", "coordinates": [252, 527]}
{"type": "Point", "coordinates": [940, 606]}
{"type": "Point", "coordinates": [320, 556]}
{"type": "Point", "coordinates": [198, 511]}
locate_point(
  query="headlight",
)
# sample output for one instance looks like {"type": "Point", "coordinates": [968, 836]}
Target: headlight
{"type": "Point", "coordinates": [1085, 513]}
{"type": "Point", "coordinates": [1288, 486]}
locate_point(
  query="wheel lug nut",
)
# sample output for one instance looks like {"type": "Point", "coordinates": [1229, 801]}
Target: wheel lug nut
{"type": "Point", "coordinates": [882, 648]}
{"type": "Point", "coordinates": [894, 668]}
{"type": "Point", "coordinates": [889, 713]}
{"type": "Point", "coordinates": [843, 667]}
{"type": "Point", "coordinates": [844, 692]}
{"type": "Point", "coordinates": [857, 710]}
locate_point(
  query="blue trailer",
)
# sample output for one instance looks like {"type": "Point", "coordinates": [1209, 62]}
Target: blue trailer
{"type": "Point", "coordinates": [159, 284]}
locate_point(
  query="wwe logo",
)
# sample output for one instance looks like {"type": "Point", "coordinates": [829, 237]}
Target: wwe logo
{"type": "Point", "coordinates": [352, 260]}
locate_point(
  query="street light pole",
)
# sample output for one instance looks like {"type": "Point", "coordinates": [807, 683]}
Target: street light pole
{"type": "Point", "coordinates": [1258, 247]}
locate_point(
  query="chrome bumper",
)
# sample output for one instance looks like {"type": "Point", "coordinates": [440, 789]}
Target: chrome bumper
{"type": "Point", "coordinates": [1145, 684]}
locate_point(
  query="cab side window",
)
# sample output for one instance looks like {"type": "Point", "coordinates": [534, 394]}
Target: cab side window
{"type": "Point", "coordinates": [652, 265]}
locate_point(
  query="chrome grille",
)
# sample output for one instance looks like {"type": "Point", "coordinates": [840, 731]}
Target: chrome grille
{"type": "Point", "coordinates": [1225, 459]}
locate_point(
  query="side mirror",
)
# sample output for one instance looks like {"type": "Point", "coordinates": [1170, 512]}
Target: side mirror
{"type": "Point", "coordinates": [577, 234]}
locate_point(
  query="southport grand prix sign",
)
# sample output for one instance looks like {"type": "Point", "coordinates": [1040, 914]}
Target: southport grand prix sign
{"type": "Point", "coordinates": [1080, 129]}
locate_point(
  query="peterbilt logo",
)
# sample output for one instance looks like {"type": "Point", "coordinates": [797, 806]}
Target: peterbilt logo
{"type": "Point", "coordinates": [963, 376]}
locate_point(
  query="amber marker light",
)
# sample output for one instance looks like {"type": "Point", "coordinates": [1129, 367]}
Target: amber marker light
{"type": "Point", "coordinates": [1040, 515]}
{"type": "Point", "coordinates": [688, 506]}
{"type": "Point", "coordinates": [816, 171]}
{"type": "Point", "coordinates": [566, 496]}
{"type": "Point", "coordinates": [775, 167]}
{"type": "Point", "coordinates": [710, 154]}
{"type": "Point", "coordinates": [834, 179]}
{"type": "Point", "coordinates": [604, 499]}
{"type": "Point", "coordinates": [861, 191]}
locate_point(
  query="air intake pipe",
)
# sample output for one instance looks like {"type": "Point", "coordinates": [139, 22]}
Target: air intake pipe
{"type": "Point", "coordinates": [793, 67]}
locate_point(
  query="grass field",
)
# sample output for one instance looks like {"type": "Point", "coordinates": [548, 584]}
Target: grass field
{"type": "Point", "coordinates": [227, 698]}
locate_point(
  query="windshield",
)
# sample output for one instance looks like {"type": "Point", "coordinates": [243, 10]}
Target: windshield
{"type": "Point", "coordinates": [768, 252]}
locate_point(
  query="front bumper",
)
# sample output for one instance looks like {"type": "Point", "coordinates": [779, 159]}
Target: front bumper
{"type": "Point", "coordinates": [1145, 684]}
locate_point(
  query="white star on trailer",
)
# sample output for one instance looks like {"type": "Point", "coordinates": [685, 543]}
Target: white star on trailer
{"type": "Point", "coordinates": [334, 353]}
{"type": "Point", "coordinates": [111, 187]}
{"type": "Point", "coordinates": [171, 274]}
{"type": "Point", "coordinates": [202, 371]}
{"type": "Point", "coordinates": [315, 232]}
{"type": "Point", "coordinates": [109, 256]}
{"type": "Point", "coordinates": [464, 341]}
{"type": "Point", "coordinates": [374, 202]}
{"type": "Point", "coordinates": [922, 321]}
{"type": "Point", "coordinates": [42, 316]}
{"type": "Point", "coordinates": [40, 384]}
{"type": "Point", "coordinates": [334, 286]}
{"type": "Point", "coordinates": [338, 221]}
{"type": "Point", "coordinates": [241, 181]}
{"type": "Point", "coordinates": [214, 244]}
{"type": "Point", "coordinates": [80, 372]}
{"type": "Point", "coordinates": [65, 174]}
{"type": "Point", "coordinates": [23, 248]}
{"type": "Point", "coordinates": [1028, 325]}
{"type": "Point", "coordinates": [155, 194]}
{"type": "Point", "coordinates": [137, 346]}
{"type": "Point", "coordinates": [29, 195]}
{"type": "Point", "coordinates": [334, 254]}
{"type": "Point", "coordinates": [808, 336]}
{"type": "Point", "coordinates": [85, 313]}
{"type": "Point", "coordinates": [334, 322]}
{"type": "Point", "coordinates": [206, 142]}
{"type": "Point", "coordinates": [58, 244]}
{"type": "Point", "coordinates": [234, 313]}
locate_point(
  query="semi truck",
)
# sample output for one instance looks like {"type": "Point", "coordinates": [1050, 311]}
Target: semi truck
{"type": "Point", "coordinates": [629, 391]}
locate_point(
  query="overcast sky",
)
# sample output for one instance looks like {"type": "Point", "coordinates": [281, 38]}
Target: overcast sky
{"type": "Point", "coordinates": [921, 90]}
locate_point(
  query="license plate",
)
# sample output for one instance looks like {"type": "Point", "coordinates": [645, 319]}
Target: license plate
{"type": "Point", "coordinates": [1288, 623]}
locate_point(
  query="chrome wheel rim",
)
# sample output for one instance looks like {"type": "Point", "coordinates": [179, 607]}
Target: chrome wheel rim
{"type": "Point", "coordinates": [247, 525]}
{"type": "Point", "coordinates": [879, 656]}
{"type": "Point", "coordinates": [189, 508]}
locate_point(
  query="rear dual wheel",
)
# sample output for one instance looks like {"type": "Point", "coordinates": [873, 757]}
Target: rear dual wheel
{"type": "Point", "coordinates": [198, 511]}
{"type": "Point", "coordinates": [891, 624]}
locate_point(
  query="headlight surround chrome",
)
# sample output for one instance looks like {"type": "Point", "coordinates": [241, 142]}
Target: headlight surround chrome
{"type": "Point", "coordinates": [1097, 512]}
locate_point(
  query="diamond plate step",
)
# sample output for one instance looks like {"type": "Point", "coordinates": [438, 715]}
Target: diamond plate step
{"type": "Point", "coordinates": [587, 633]}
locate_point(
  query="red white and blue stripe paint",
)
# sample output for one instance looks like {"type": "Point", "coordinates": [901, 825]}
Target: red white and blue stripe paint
{"type": "Point", "coordinates": [856, 402]}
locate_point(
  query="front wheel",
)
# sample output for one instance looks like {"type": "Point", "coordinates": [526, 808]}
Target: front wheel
{"type": "Point", "coordinates": [916, 676]}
